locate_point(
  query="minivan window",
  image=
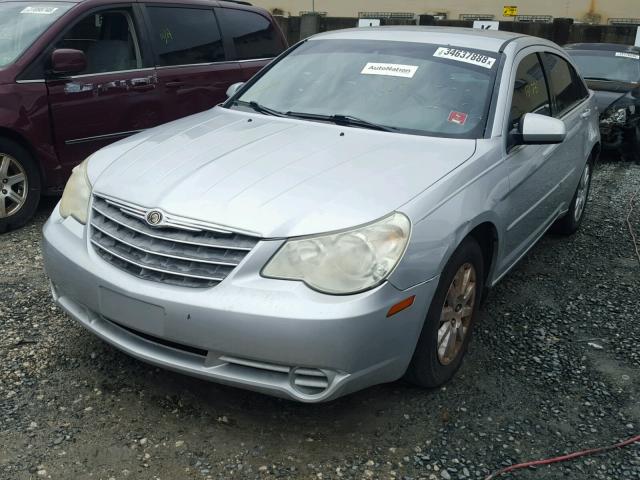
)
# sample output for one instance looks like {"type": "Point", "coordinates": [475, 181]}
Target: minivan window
{"type": "Point", "coordinates": [21, 23]}
{"type": "Point", "coordinates": [530, 93]}
{"type": "Point", "coordinates": [185, 36]}
{"type": "Point", "coordinates": [252, 34]}
{"type": "Point", "coordinates": [108, 40]}
{"type": "Point", "coordinates": [567, 89]}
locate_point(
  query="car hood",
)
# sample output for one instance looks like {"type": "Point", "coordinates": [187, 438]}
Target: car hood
{"type": "Point", "coordinates": [607, 93]}
{"type": "Point", "coordinates": [272, 177]}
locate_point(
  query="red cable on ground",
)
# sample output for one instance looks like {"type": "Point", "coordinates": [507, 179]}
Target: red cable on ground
{"type": "Point", "coordinates": [563, 458]}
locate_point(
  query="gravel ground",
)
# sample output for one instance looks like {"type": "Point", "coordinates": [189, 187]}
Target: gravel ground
{"type": "Point", "coordinates": [554, 367]}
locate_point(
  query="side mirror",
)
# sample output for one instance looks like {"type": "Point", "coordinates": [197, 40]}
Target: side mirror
{"type": "Point", "coordinates": [231, 91]}
{"type": "Point", "coordinates": [538, 129]}
{"type": "Point", "coordinates": [67, 61]}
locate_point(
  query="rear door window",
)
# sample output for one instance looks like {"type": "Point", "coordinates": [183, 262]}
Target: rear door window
{"type": "Point", "coordinates": [185, 36]}
{"type": "Point", "coordinates": [251, 34]}
{"type": "Point", "coordinates": [567, 89]}
{"type": "Point", "coordinates": [108, 39]}
{"type": "Point", "coordinates": [530, 93]}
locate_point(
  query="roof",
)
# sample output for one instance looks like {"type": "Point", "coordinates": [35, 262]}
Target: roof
{"type": "Point", "coordinates": [490, 40]}
{"type": "Point", "coordinates": [611, 47]}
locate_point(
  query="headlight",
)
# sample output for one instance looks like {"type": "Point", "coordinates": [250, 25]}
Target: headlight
{"type": "Point", "coordinates": [344, 262]}
{"type": "Point", "coordinates": [614, 116]}
{"type": "Point", "coordinates": [75, 199]}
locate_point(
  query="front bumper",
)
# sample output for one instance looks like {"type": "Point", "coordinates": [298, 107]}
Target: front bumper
{"type": "Point", "coordinates": [620, 137]}
{"type": "Point", "coordinates": [272, 336]}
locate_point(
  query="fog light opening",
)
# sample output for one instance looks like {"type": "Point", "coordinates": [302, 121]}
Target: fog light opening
{"type": "Point", "coordinates": [309, 381]}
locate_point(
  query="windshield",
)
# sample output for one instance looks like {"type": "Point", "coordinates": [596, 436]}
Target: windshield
{"type": "Point", "coordinates": [398, 86]}
{"type": "Point", "coordinates": [22, 22]}
{"type": "Point", "coordinates": [608, 65]}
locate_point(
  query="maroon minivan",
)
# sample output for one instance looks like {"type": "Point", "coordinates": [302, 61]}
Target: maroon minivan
{"type": "Point", "coordinates": [76, 76]}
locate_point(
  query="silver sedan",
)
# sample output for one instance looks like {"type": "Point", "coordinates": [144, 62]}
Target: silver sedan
{"type": "Point", "coordinates": [337, 221]}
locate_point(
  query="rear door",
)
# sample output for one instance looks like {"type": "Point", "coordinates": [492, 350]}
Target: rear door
{"type": "Point", "coordinates": [193, 68]}
{"type": "Point", "coordinates": [253, 38]}
{"type": "Point", "coordinates": [569, 98]}
{"type": "Point", "coordinates": [114, 97]}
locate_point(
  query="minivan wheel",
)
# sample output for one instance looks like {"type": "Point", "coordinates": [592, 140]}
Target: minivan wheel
{"type": "Point", "coordinates": [447, 329]}
{"type": "Point", "coordinates": [19, 185]}
{"type": "Point", "coordinates": [570, 223]}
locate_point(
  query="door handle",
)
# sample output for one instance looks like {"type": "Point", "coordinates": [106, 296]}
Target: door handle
{"type": "Point", "coordinates": [586, 113]}
{"type": "Point", "coordinates": [143, 83]}
{"type": "Point", "coordinates": [174, 84]}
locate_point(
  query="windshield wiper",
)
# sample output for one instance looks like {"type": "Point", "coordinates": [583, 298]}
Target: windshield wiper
{"type": "Point", "coordinates": [359, 122]}
{"type": "Point", "coordinates": [601, 79]}
{"type": "Point", "coordinates": [260, 108]}
{"type": "Point", "coordinates": [347, 120]}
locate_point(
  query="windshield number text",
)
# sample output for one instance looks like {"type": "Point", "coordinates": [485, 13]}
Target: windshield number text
{"type": "Point", "coordinates": [465, 56]}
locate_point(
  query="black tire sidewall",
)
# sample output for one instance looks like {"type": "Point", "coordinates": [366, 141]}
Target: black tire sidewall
{"type": "Point", "coordinates": [21, 155]}
{"type": "Point", "coordinates": [572, 225]}
{"type": "Point", "coordinates": [425, 368]}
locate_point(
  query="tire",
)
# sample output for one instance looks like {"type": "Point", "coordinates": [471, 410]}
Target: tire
{"type": "Point", "coordinates": [570, 223]}
{"type": "Point", "coordinates": [18, 201]}
{"type": "Point", "coordinates": [430, 367]}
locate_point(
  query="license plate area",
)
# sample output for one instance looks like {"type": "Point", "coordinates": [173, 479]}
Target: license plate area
{"type": "Point", "coordinates": [133, 313]}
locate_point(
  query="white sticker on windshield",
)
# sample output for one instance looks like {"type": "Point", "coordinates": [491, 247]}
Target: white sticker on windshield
{"type": "Point", "coordinates": [39, 10]}
{"type": "Point", "coordinates": [628, 55]}
{"type": "Point", "coordinates": [465, 56]}
{"type": "Point", "coordinates": [390, 69]}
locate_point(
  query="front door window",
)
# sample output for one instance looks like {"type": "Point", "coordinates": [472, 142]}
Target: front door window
{"type": "Point", "coordinates": [108, 40]}
{"type": "Point", "coordinates": [530, 93]}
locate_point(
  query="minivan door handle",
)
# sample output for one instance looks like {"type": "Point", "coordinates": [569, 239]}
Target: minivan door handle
{"type": "Point", "coordinates": [586, 113]}
{"type": "Point", "coordinates": [143, 83]}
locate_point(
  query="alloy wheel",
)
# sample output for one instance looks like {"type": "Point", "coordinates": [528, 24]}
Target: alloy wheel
{"type": "Point", "coordinates": [581, 194]}
{"type": "Point", "coordinates": [457, 313]}
{"type": "Point", "coordinates": [14, 186]}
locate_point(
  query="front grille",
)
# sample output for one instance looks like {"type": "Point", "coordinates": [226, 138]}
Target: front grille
{"type": "Point", "coordinates": [184, 257]}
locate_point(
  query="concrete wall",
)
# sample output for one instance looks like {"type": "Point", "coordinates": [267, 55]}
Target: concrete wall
{"type": "Point", "coordinates": [560, 31]}
{"type": "Point", "coordinates": [593, 11]}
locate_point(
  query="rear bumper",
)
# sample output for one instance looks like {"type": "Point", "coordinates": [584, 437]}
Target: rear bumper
{"type": "Point", "coordinates": [276, 337]}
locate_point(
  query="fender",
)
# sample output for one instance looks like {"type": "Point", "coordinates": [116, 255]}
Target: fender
{"type": "Point", "coordinates": [24, 117]}
{"type": "Point", "coordinates": [480, 186]}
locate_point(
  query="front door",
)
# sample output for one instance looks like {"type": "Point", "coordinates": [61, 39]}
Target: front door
{"type": "Point", "coordinates": [114, 97]}
{"type": "Point", "coordinates": [533, 176]}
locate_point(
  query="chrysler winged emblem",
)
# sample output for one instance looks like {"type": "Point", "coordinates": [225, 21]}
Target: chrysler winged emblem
{"type": "Point", "coordinates": [154, 218]}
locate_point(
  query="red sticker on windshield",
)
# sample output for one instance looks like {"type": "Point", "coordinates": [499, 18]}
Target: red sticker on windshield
{"type": "Point", "coordinates": [458, 117]}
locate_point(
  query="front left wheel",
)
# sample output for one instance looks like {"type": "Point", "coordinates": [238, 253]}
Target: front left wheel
{"type": "Point", "coordinates": [19, 185]}
{"type": "Point", "coordinates": [447, 329]}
